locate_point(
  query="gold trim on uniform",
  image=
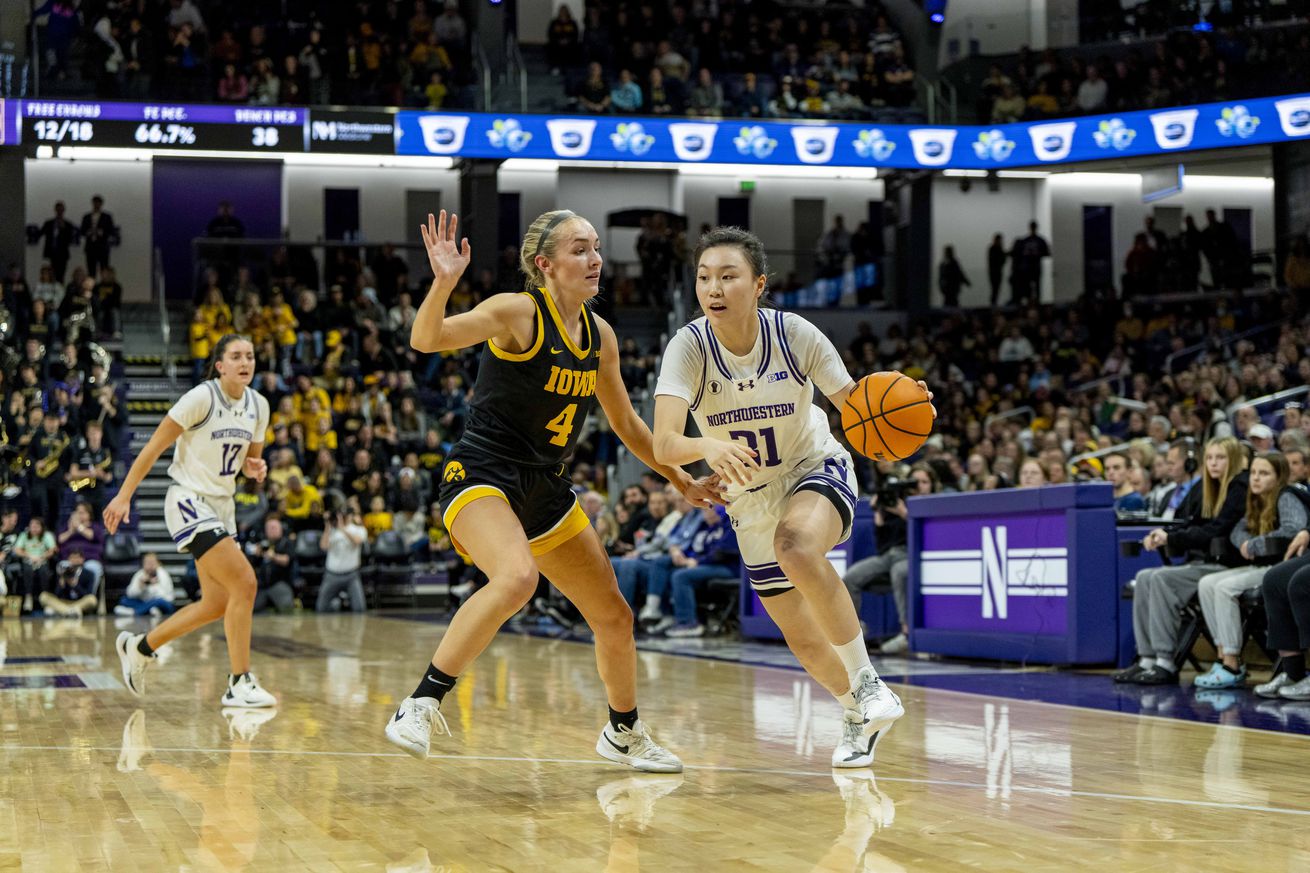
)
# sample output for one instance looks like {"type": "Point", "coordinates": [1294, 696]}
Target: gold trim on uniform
{"type": "Point", "coordinates": [533, 349]}
{"type": "Point", "coordinates": [463, 499]}
{"type": "Point", "coordinates": [572, 524]}
{"type": "Point", "coordinates": [568, 339]}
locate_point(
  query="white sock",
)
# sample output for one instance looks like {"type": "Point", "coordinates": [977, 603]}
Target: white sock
{"type": "Point", "coordinates": [1166, 664]}
{"type": "Point", "coordinates": [854, 657]}
{"type": "Point", "coordinates": [1145, 663]}
{"type": "Point", "coordinates": [847, 701]}
{"type": "Point", "coordinates": [652, 601]}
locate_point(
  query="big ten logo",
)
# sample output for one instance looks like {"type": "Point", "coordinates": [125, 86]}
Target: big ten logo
{"type": "Point", "coordinates": [573, 383]}
{"type": "Point", "coordinates": [454, 472]}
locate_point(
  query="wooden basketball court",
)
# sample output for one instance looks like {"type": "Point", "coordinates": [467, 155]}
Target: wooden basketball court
{"type": "Point", "coordinates": [93, 779]}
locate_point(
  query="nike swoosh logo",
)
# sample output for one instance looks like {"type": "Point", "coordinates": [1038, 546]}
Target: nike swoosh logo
{"type": "Point", "coordinates": [622, 749]}
{"type": "Point", "coordinates": [555, 351]}
{"type": "Point", "coordinates": [399, 716]}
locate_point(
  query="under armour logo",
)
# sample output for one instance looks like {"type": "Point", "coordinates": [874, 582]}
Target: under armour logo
{"type": "Point", "coordinates": [745, 384]}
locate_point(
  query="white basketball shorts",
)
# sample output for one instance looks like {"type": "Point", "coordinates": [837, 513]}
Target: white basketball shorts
{"type": "Point", "coordinates": [188, 513]}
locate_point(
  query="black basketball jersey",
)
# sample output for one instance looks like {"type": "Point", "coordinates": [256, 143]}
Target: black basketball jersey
{"type": "Point", "coordinates": [528, 408]}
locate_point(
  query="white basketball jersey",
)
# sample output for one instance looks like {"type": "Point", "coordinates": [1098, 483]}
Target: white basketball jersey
{"type": "Point", "coordinates": [764, 399]}
{"type": "Point", "coordinates": [217, 433]}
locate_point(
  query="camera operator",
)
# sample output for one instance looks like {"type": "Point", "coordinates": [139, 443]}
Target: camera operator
{"type": "Point", "coordinates": [891, 566]}
{"type": "Point", "coordinates": [343, 540]}
{"type": "Point", "coordinates": [271, 558]}
{"type": "Point", "coordinates": [74, 591]}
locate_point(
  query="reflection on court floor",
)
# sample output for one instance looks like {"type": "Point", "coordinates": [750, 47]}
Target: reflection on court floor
{"type": "Point", "coordinates": [92, 778]}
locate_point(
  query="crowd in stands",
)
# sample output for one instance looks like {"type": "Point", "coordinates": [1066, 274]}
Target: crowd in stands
{"type": "Point", "coordinates": [693, 59]}
{"type": "Point", "coordinates": [1179, 68]}
{"type": "Point", "coordinates": [413, 54]}
{"type": "Point", "coordinates": [62, 431]}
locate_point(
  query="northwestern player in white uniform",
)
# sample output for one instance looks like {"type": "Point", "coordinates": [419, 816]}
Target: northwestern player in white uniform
{"type": "Point", "coordinates": [219, 428]}
{"type": "Point", "coordinates": [748, 375]}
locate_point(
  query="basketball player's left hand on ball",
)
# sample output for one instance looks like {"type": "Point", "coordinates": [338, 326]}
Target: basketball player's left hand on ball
{"type": "Point", "coordinates": [255, 468]}
{"type": "Point", "coordinates": [924, 386]}
{"type": "Point", "coordinates": [705, 491]}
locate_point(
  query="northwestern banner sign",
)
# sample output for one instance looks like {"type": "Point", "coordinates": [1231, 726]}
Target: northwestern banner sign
{"type": "Point", "coordinates": [1007, 574]}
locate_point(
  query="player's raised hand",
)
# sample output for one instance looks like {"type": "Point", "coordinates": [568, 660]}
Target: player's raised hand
{"type": "Point", "coordinates": [734, 463]}
{"type": "Point", "coordinates": [117, 512]}
{"type": "Point", "coordinates": [447, 257]}
{"type": "Point", "coordinates": [255, 468]}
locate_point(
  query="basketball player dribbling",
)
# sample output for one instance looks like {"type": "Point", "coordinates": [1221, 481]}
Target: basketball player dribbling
{"type": "Point", "coordinates": [505, 500]}
{"type": "Point", "coordinates": [219, 428]}
{"type": "Point", "coordinates": [747, 375]}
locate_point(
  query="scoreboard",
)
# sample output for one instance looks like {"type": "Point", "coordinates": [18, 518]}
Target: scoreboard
{"type": "Point", "coordinates": [190, 127]}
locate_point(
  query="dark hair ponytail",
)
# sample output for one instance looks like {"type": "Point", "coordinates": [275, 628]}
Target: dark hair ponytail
{"type": "Point", "coordinates": [220, 348]}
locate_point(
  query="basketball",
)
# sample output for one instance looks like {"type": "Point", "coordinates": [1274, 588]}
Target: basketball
{"type": "Point", "coordinates": [887, 417]}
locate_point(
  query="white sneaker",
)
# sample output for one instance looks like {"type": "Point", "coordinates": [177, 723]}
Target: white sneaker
{"type": "Point", "coordinates": [631, 801]}
{"type": "Point", "coordinates": [124, 610]}
{"type": "Point", "coordinates": [134, 663]}
{"type": "Point", "coordinates": [412, 726]}
{"type": "Point", "coordinates": [246, 692]}
{"type": "Point", "coordinates": [878, 704]}
{"type": "Point", "coordinates": [897, 645]}
{"type": "Point", "coordinates": [635, 747]}
{"type": "Point", "coordinates": [1271, 688]}
{"type": "Point", "coordinates": [855, 749]}
{"type": "Point", "coordinates": [665, 623]}
{"type": "Point", "coordinates": [136, 744]}
{"type": "Point", "coordinates": [244, 723]}
{"type": "Point", "coordinates": [1296, 690]}
{"type": "Point", "coordinates": [651, 612]}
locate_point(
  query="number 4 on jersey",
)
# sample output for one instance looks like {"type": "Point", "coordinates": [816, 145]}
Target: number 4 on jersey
{"type": "Point", "coordinates": [562, 425]}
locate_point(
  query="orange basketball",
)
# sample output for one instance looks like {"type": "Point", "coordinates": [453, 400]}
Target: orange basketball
{"type": "Point", "coordinates": [887, 417]}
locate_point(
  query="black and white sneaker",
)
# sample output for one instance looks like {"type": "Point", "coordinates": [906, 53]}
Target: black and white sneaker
{"type": "Point", "coordinates": [412, 726]}
{"type": "Point", "coordinates": [878, 704]}
{"type": "Point", "coordinates": [246, 692]}
{"type": "Point", "coordinates": [134, 663]}
{"type": "Point", "coordinates": [635, 747]}
{"type": "Point", "coordinates": [855, 749]}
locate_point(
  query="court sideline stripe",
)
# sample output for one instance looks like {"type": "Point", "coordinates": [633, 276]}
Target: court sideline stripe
{"type": "Point", "coordinates": [763, 771]}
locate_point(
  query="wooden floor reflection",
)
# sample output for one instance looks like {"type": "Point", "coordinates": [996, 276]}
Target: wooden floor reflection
{"type": "Point", "coordinates": [92, 779]}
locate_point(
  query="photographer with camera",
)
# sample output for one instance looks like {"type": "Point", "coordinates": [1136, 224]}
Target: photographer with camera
{"type": "Point", "coordinates": [74, 591]}
{"type": "Point", "coordinates": [343, 540]}
{"type": "Point", "coordinates": [150, 592]}
{"type": "Point", "coordinates": [891, 566]}
{"type": "Point", "coordinates": [271, 557]}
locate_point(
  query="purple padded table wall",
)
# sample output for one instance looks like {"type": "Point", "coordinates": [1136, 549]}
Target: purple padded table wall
{"type": "Point", "coordinates": [1017, 575]}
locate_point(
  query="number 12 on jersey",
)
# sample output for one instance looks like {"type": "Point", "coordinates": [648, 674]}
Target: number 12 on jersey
{"type": "Point", "coordinates": [769, 457]}
{"type": "Point", "coordinates": [231, 451]}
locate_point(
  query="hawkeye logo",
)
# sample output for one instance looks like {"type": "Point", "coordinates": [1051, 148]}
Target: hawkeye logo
{"type": "Point", "coordinates": [995, 573]}
{"type": "Point", "coordinates": [454, 472]}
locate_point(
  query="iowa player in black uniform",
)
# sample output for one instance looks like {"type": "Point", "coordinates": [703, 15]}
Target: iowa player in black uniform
{"type": "Point", "coordinates": [506, 503]}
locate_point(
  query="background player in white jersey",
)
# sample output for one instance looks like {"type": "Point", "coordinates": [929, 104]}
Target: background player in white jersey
{"type": "Point", "coordinates": [748, 375]}
{"type": "Point", "coordinates": [219, 428]}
